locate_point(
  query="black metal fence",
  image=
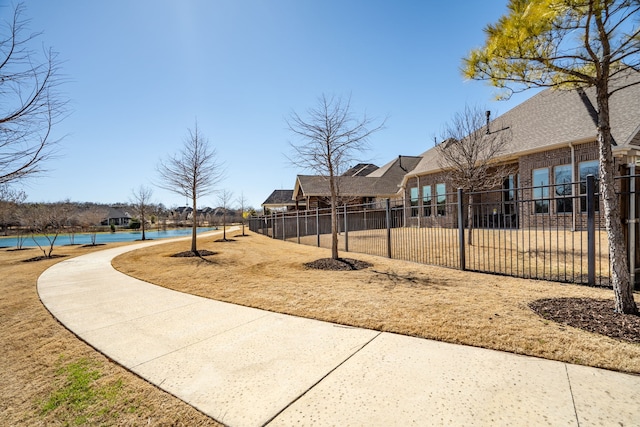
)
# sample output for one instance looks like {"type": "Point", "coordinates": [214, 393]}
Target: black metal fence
{"type": "Point", "coordinates": [556, 232]}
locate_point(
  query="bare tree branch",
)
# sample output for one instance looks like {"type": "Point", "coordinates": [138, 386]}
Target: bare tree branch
{"type": "Point", "coordinates": [329, 139]}
{"type": "Point", "coordinates": [31, 104]}
{"type": "Point", "coordinates": [468, 154]}
{"type": "Point", "coordinates": [141, 202]}
{"type": "Point", "coordinates": [193, 172]}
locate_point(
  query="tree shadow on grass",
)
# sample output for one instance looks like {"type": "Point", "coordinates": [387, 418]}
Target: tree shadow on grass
{"type": "Point", "coordinates": [42, 258]}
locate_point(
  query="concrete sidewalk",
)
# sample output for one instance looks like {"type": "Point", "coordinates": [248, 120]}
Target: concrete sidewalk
{"type": "Point", "coordinates": [249, 367]}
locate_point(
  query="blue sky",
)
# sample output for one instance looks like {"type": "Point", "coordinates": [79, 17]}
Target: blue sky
{"type": "Point", "coordinates": [140, 73]}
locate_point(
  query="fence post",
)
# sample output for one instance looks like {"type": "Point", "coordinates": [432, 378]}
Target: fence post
{"type": "Point", "coordinates": [318, 225]}
{"type": "Point", "coordinates": [346, 230]}
{"type": "Point", "coordinates": [632, 225]}
{"type": "Point", "coordinates": [273, 225]}
{"type": "Point", "coordinates": [461, 230]}
{"type": "Point", "coordinates": [284, 228]}
{"type": "Point", "coordinates": [298, 226]}
{"type": "Point", "coordinates": [591, 230]}
{"type": "Point", "coordinates": [388, 228]}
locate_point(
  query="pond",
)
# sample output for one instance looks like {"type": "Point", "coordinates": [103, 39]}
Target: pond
{"type": "Point", "coordinates": [85, 238]}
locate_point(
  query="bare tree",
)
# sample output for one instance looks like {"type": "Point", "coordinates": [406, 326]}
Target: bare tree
{"type": "Point", "coordinates": [30, 104]}
{"type": "Point", "coordinates": [10, 199]}
{"type": "Point", "coordinates": [141, 203]}
{"type": "Point", "coordinates": [46, 221]}
{"type": "Point", "coordinates": [224, 198]}
{"type": "Point", "coordinates": [330, 137]}
{"type": "Point", "coordinates": [243, 203]}
{"type": "Point", "coordinates": [193, 172]}
{"type": "Point", "coordinates": [468, 154]}
{"type": "Point", "coordinates": [71, 224]}
{"type": "Point", "coordinates": [90, 219]}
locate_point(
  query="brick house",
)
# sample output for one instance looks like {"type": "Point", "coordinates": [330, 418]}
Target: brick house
{"type": "Point", "coordinates": [282, 200]}
{"type": "Point", "coordinates": [117, 216]}
{"type": "Point", "coordinates": [363, 184]}
{"type": "Point", "coordinates": [552, 148]}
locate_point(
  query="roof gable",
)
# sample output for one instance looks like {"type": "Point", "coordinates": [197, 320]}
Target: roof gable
{"type": "Point", "coordinates": [361, 169]}
{"type": "Point", "coordinates": [279, 197]}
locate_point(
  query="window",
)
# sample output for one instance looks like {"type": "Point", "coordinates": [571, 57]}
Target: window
{"type": "Point", "coordinates": [588, 168]}
{"type": "Point", "coordinates": [426, 200]}
{"type": "Point", "coordinates": [541, 190]}
{"type": "Point", "coordinates": [509, 194]}
{"type": "Point", "coordinates": [441, 200]}
{"type": "Point", "coordinates": [414, 200]}
{"type": "Point", "coordinates": [562, 179]}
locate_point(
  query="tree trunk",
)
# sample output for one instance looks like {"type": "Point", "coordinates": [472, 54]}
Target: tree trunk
{"type": "Point", "coordinates": [194, 226]}
{"type": "Point", "coordinates": [334, 218]}
{"type": "Point", "coordinates": [142, 225]}
{"type": "Point", "coordinates": [224, 225]}
{"type": "Point", "coordinates": [622, 288]}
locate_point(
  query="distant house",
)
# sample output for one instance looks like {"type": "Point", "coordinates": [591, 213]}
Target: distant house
{"type": "Point", "coordinates": [282, 200]}
{"type": "Point", "coordinates": [117, 216]}
{"type": "Point", "coordinates": [181, 212]}
{"type": "Point", "coordinates": [354, 187]}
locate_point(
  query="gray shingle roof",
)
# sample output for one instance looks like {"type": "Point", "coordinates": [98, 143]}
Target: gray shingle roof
{"type": "Point", "coordinates": [117, 213]}
{"type": "Point", "coordinates": [361, 169]}
{"type": "Point", "coordinates": [383, 182]}
{"type": "Point", "coordinates": [280, 198]}
{"type": "Point", "coordinates": [556, 117]}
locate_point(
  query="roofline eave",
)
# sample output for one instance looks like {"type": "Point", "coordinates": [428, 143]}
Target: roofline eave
{"type": "Point", "coordinates": [515, 156]}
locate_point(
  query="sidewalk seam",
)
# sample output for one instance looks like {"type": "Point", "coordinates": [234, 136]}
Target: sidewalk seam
{"type": "Point", "coordinates": [321, 379]}
{"type": "Point", "coordinates": [573, 401]}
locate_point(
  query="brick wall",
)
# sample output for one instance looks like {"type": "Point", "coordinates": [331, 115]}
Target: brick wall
{"type": "Point", "coordinates": [490, 204]}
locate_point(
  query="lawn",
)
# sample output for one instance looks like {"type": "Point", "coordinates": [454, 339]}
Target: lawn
{"type": "Point", "coordinates": [395, 296]}
{"type": "Point", "coordinates": [50, 377]}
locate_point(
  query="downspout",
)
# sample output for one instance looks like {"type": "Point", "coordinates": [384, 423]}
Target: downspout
{"type": "Point", "coordinates": [404, 204]}
{"type": "Point", "coordinates": [575, 202]}
{"type": "Point", "coordinates": [632, 222]}
{"type": "Point", "coordinates": [420, 200]}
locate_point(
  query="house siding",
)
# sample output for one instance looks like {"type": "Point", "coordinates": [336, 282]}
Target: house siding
{"type": "Point", "coordinates": [450, 217]}
{"type": "Point", "coordinates": [492, 210]}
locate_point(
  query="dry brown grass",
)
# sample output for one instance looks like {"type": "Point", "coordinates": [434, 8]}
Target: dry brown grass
{"type": "Point", "coordinates": [35, 347]}
{"type": "Point", "coordinates": [395, 296]}
{"type": "Point", "coordinates": [558, 254]}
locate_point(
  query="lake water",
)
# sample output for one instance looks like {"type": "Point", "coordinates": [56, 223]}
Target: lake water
{"type": "Point", "coordinates": [120, 236]}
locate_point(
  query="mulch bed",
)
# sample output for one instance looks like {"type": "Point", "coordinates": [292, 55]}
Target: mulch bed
{"type": "Point", "coordinates": [593, 315]}
{"type": "Point", "coordinates": [188, 254]}
{"type": "Point", "coordinates": [224, 240]}
{"type": "Point", "coordinates": [340, 264]}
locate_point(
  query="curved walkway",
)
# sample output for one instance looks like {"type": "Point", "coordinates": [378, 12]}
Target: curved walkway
{"type": "Point", "coordinates": [249, 367]}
